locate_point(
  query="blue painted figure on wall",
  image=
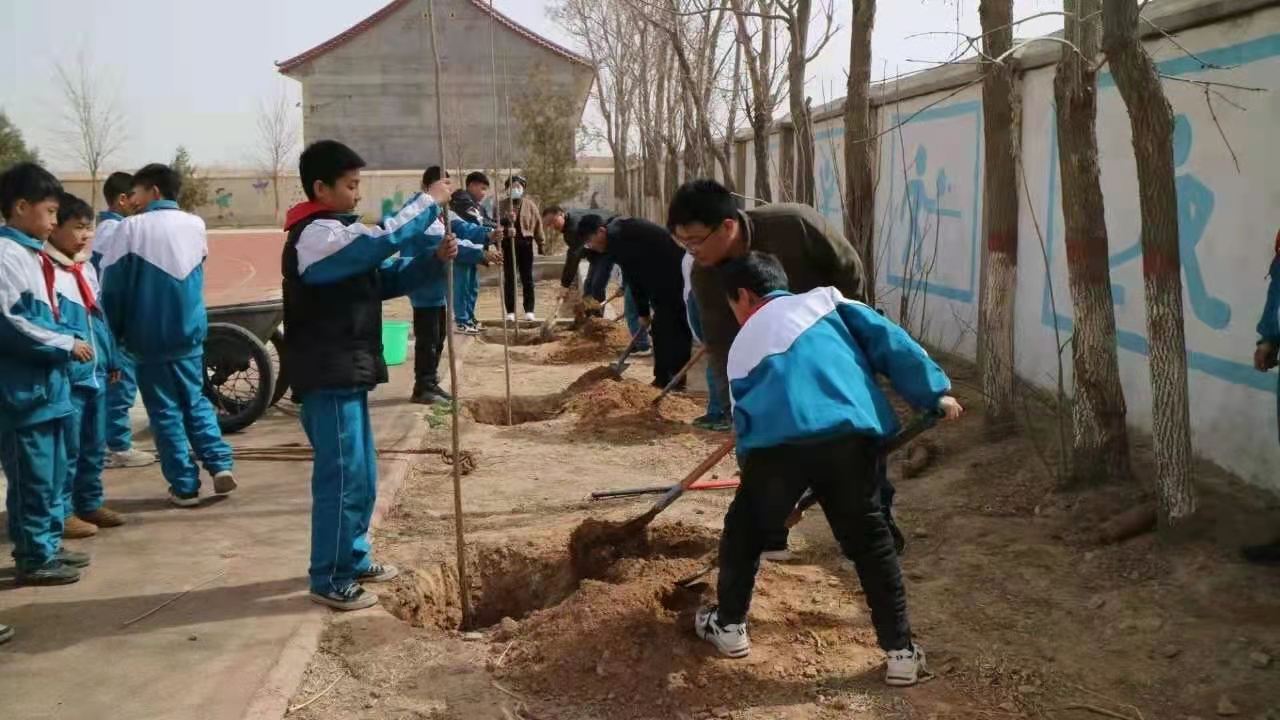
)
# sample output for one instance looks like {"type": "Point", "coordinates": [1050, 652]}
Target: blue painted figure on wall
{"type": "Point", "coordinates": [391, 204]}
{"type": "Point", "coordinates": [828, 191]}
{"type": "Point", "coordinates": [917, 206]}
{"type": "Point", "coordinates": [1195, 207]}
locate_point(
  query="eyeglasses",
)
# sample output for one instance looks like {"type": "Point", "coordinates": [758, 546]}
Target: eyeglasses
{"type": "Point", "coordinates": [691, 244]}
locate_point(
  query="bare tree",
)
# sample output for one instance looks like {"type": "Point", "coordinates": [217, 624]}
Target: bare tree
{"type": "Point", "coordinates": [1151, 119]}
{"type": "Point", "coordinates": [93, 127]}
{"type": "Point", "coordinates": [1000, 108]}
{"type": "Point", "coordinates": [798, 16]}
{"type": "Point", "coordinates": [1100, 440]}
{"type": "Point", "coordinates": [278, 138]}
{"type": "Point", "coordinates": [859, 150]}
{"type": "Point", "coordinates": [760, 25]}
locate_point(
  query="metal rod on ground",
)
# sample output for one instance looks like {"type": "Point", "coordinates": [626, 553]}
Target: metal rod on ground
{"type": "Point", "coordinates": [680, 375]}
{"type": "Point", "coordinates": [463, 586]}
{"type": "Point", "coordinates": [659, 489]}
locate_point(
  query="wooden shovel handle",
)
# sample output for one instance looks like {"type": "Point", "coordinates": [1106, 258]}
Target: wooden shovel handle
{"type": "Point", "coordinates": [702, 469]}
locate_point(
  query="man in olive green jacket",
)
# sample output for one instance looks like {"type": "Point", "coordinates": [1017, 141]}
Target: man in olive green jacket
{"type": "Point", "coordinates": [705, 219]}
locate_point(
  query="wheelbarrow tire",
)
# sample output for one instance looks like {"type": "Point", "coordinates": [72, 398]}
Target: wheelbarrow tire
{"type": "Point", "coordinates": [282, 375]}
{"type": "Point", "coordinates": [226, 339]}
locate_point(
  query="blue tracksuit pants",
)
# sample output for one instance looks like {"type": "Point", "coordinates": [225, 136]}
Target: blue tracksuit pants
{"type": "Point", "coordinates": [344, 485]}
{"type": "Point", "coordinates": [633, 321]}
{"type": "Point", "coordinates": [466, 290]}
{"type": "Point", "coordinates": [86, 452]}
{"type": "Point", "coordinates": [182, 418]}
{"type": "Point", "coordinates": [120, 398]}
{"type": "Point", "coordinates": [35, 465]}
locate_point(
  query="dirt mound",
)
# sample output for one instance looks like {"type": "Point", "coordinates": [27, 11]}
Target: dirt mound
{"type": "Point", "coordinates": [595, 396]}
{"type": "Point", "coordinates": [596, 340]}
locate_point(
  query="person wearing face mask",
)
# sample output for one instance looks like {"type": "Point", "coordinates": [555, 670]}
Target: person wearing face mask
{"type": "Point", "coordinates": [522, 225]}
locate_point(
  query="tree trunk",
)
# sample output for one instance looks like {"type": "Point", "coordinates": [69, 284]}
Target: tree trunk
{"type": "Point", "coordinates": [859, 150]}
{"type": "Point", "coordinates": [1100, 440]}
{"type": "Point", "coordinates": [760, 144]}
{"type": "Point", "coordinates": [787, 164]}
{"type": "Point", "coordinates": [1151, 119]}
{"type": "Point", "coordinates": [275, 192]}
{"type": "Point", "coordinates": [1000, 204]}
{"type": "Point", "coordinates": [801, 120]}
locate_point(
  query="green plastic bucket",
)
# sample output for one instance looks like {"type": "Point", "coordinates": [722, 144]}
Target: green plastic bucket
{"type": "Point", "coordinates": [395, 341]}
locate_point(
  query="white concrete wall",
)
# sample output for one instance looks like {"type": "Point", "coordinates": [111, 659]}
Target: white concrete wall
{"type": "Point", "coordinates": [1228, 221]}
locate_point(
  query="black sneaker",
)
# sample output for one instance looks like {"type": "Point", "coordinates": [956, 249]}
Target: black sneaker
{"type": "Point", "coordinates": [1267, 554]}
{"type": "Point", "coordinates": [54, 572]}
{"type": "Point", "coordinates": [6, 634]}
{"type": "Point", "coordinates": [378, 573]}
{"type": "Point", "coordinates": [352, 597]}
{"type": "Point", "coordinates": [73, 558]}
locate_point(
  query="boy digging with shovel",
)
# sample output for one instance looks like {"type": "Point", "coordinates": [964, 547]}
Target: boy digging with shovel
{"type": "Point", "coordinates": [808, 413]}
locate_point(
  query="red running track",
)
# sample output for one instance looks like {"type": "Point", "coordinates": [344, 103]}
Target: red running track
{"type": "Point", "coordinates": [243, 267]}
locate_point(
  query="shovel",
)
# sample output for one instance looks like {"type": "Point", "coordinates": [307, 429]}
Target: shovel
{"type": "Point", "coordinates": [680, 375]}
{"type": "Point", "coordinates": [621, 366]}
{"type": "Point", "coordinates": [921, 423]}
{"type": "Point", "coordinates": [548, 327]}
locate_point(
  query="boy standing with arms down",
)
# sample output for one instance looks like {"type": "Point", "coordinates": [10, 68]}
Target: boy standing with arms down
{"type": "Point", "coordinates": [122, 393]}
{"type": "Point", "coordinates": [79, 305]}
{"type": "Point", "coordinates": [153, 294]}
{"type": "Point", "coordinates": [467, 205]}
{"type": "Point", "coordinates": [808, 413]}
{"type": "Point", "coordinates": [336, 276]}
{"type": "Point", "coordinates": [35, 395]}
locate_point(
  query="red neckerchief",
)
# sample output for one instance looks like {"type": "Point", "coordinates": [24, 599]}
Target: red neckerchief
{"type": "Point", "coordinates": [46, 265]}
{"type": "Point", "coordinates": [86, 292]}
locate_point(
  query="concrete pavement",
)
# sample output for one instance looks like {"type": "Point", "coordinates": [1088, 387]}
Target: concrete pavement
{"type": "Point", "coordinates": [236, 644]}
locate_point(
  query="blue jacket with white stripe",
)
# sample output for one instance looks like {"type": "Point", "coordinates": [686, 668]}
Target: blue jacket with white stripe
{"type": "Point", "coordinates": [153, 284]}
{"type": "Point", "coordinates": [803, 369]}
{"type": "Point", "coordinates": [34, 346]}
{"type": "Point", "coordinates": [103, 231]}
{"type": "Point", "coordinates": [87, 325]}
{"type": "Point", "coordinates": [472, 240]}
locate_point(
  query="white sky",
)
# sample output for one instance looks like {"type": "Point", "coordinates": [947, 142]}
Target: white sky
{"type": "Point", "coordinates": [192, 73]}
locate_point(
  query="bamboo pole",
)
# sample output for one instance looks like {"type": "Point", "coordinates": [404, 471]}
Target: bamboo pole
{"type": "Point", "coordinates": [502, 276]}
{"type": "Point", "coordinates": [463, 586]}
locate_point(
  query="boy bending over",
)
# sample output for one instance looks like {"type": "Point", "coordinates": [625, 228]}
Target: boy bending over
{"type": "Point", "coordinates": [808, 414]}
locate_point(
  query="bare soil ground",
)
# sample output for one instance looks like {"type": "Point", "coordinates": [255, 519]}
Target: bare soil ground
{"type": "Point", "coordinates": [1023, 612]}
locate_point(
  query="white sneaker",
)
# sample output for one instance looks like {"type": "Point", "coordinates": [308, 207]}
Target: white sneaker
{"type": "Point", "coordinates": [530, 317]}
{"type": "Point", "coordinates": [183, 502]}
{"type": "Point", "coordinates": [783, 555]}
{"type": "Point", "coordinates": [511, 317]}
{"type": "Point", "coordinates": [129, 459]}
{"type": "Point", "coordinates": [224, 482]}
{"type": "Point", "coordinates": [730, 640]}
{"type": "Point", "coordinates": [905, 666]}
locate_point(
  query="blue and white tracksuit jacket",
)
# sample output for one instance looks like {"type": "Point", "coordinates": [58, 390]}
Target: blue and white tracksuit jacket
{"type": "Point", "coordinates": [472, 240]}
{"type": "Point", "coordinates": [86, 433]}
{"type": "Point", "coordinates": [122, 393]}
{"type": "Point", "coordinates": [153, 295]}
{"type": "Point", "coordinates": [803, 369]}
{"type": "Point", "coordinates": [345, 471]}
{"type": "Point", "coordinates": [35, 400]}
{"type": "Point", "coordinates": [1269, 324]}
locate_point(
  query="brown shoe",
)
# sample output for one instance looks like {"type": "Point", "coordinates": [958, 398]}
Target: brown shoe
{"type": "Point", "coordinates": [103, 517]}
{"type": "Point", "coordinates": [76, 529]}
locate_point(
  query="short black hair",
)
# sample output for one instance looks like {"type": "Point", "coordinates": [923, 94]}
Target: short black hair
{"type": "Point", "coordinates": [161, 177]}
{"type": "Point", "coordinates": [26, 181]}
{"type": "Point", "coordinates": [552, 210]}
{"type": "Point", "coordinates": [433, 175]}
{"type": "Point", "coordinates": [704, 201]}
{"type": "Point", "coordinates": [71, 208]}
{"type": "Point", "coordinates": [117, 184]}
{"type": "Point", "coordinates": [326, 161]}
{"type": "Point", "coordinates": [478, 177]}
{"type": "Point", "coordinates": [758, 272]}
{"type": "Point", "coordinates": [588, 226]}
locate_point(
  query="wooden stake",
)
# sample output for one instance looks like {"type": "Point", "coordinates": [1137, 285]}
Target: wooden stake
{"type": "Point", "coordinates": [463, 586]}
{"type": "Point", "coordinates": [502, 276]}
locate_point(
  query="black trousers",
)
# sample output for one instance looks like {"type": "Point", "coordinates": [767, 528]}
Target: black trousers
{"type": "Point", "coordinates": [522, 257]}
{"type": "Point", "coordinates": [672, 340]}
{"type": "Point", "coordinates": [842, 471]}
{"type": "Point", "coordinates": [782, 539]}
{"type": "Point", "coordinates": [428, 330]}
{"type": "Point", "coordinates": [599, 269]}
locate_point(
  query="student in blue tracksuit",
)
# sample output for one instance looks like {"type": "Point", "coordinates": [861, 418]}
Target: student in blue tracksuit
{"type": "Point", "coordinates": [808, 413]}
{"type": "Point", "coordinates": [79, 304]}
{"type": "Point", "coordinates": [1264, 359]}
{"type": "Point", "coordinates": [337, 272]}
{"type": "Point", "coordinates": [122, 393]}
{"type": "Point", "coordinates": [153, 294]}
{"type": "Point", "coordinates": [428, 300]}
{"type": "Point", "coordinates": [467, 204]}
{"type": "Point", "coordinates": [35, 395]}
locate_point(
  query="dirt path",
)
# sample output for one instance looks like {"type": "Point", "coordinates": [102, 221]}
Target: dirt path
{"type": "Point", "coordinates": [1022, 612]}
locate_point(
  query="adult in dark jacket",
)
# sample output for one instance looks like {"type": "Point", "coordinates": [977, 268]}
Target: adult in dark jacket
{"type": "Point", "coordinates": [650, 262]}
{"type": "Point", "coordinates": [600, 266]}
